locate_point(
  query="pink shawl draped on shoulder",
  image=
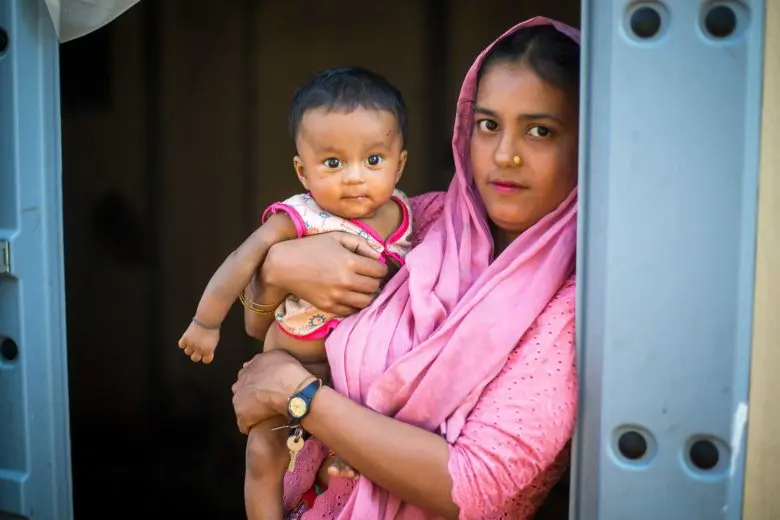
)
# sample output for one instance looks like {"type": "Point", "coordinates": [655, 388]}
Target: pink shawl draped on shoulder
{"type": "Point", "coordinates": [444, 326]}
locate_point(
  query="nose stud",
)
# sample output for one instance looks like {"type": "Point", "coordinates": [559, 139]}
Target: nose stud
{"type": "Point", "coordinates": [517, 160]}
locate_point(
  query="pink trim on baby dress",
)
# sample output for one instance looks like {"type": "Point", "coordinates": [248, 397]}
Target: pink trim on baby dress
{"type": "Point", "coordinates": [299, 318]}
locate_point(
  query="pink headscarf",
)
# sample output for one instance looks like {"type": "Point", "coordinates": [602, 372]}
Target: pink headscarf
{"type": "Point", "coordinates": [443, 327]}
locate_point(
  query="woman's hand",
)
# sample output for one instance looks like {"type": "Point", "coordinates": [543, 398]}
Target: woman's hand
{"type": "Point", "coordinates": [336, 272]}
{"type": "Point", "coordinates": [264, 384]}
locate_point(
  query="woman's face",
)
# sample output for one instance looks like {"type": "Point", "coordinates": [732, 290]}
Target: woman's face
{"type": "Point", "coordinates": [517, 114]}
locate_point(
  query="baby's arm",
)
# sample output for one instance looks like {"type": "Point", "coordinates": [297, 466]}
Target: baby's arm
{"type": "Point", "coordinates": [235, 273]}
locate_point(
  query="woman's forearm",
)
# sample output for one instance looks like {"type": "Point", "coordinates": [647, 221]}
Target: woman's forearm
{"type": "Point", "coordinates": [407, 461]}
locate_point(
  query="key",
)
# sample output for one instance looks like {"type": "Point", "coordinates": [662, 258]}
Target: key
{"type": "Point", "coordinates": [295, 444]}
{"type": "Point", "coordinates": [282, 427]}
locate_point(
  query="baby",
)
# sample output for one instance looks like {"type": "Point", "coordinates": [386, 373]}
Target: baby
{"type": "Point", "coordinates": [349, 129]}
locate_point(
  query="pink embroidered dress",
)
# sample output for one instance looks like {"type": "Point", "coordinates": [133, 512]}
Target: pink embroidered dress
{"type": "Point", "coordinates": [300, 318]}
{"type": "Point", "coordinates": [474, 347]}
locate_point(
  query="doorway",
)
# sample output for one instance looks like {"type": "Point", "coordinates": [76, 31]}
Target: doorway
{"type": "Point", "coordinates": [174, 138]}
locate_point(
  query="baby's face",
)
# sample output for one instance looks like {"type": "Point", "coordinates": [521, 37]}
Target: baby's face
{"type": "Point", "coordinates": [349, 161]}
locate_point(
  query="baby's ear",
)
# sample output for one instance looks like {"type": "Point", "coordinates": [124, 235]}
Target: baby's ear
{"type": "Point", "coordinates": [299, 171]}
{"type": "Point", "coordinates": [401, 165]}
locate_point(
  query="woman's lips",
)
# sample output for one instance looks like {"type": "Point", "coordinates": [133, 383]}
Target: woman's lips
{"type": "Point", "coordinates": [506, 186]}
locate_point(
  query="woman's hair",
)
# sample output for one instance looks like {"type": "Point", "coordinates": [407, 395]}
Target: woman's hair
{"type": "Point", "coordinates": [347, 89]}
{"type": "Point", "coordinates": [552, 55]}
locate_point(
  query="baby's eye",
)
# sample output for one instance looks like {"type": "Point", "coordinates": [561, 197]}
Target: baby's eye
{"type": "Point", "coordinates": [487, 125]}
{"type": "Point", "coordinates": [539, 131]}
{"type": "Point", "coordinates": [374, 160]}
{"type": "Point", "coordinates": [332, 163]}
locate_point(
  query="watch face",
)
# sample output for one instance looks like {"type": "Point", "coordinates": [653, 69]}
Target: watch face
{"type": "Point", "coordinates": [297, 407]}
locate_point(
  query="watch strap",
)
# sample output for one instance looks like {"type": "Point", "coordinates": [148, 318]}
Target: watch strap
{"type": "Point", "coordinates": [307, 395]}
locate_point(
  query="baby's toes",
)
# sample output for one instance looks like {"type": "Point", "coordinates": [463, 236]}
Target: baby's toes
{"type": "Point", "coordinates": [339, 468]}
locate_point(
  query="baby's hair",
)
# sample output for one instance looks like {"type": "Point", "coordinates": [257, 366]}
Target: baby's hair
{"type": "Point", "coordinates": [552, 55]}
{"type": "Point", "coordinates": [346, 89]}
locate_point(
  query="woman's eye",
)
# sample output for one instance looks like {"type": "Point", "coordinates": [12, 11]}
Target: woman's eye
{"type": "Point", "coordinates": [539, 131]}
{"type": "Point", "coordinates": [487, 125]}
{"type": "Point", "coordinates": [332, 163]}
{"type": "Point", "coordinates": [374, 160]}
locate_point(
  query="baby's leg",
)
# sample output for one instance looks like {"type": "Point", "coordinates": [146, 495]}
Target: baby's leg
{"type": "Point", "coordinates": [309, 352]}
{"type": "Point", "coordinates": [267, 456]}
{"type": "Point", "coordinates": [305, 351]}
{"type": "Point", "coordinates": [267, 459]}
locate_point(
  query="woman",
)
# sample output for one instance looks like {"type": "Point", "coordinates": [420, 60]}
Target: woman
{"type": "Point", "coordinates": [455, 391]}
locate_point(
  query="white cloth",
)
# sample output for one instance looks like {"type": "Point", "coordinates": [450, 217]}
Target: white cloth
{"type": "Point", "coordinates": [75, 18]}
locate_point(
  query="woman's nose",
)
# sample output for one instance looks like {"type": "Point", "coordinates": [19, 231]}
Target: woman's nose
{"type": "Point", "coordinates": [505, 152]}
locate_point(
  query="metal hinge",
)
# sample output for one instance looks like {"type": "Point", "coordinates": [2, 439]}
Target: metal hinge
{"type": "Point", "coordinates": [5, 257]}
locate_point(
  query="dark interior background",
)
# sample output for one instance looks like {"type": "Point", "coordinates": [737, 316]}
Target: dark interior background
{"type": "Point", "coordinates": [174, 139]}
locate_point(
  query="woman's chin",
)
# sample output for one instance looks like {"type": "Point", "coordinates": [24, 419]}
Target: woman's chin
{"type": "Point", "coordinates": [510, 222]}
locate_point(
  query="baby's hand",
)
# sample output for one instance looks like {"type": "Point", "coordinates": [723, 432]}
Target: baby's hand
{"type": "Point", "coordinates": [199, 342]}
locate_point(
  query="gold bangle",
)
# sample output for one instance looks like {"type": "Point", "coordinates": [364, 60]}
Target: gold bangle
{"type": "Point", "coordinates": [257, 308]}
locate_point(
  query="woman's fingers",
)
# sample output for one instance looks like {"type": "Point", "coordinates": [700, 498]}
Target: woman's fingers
{"type": "Point", "coordinates": [242, 404]}
{"type": "Point", "coordinates": [350, 295]}
{"type": "Point", "coordinates": [369, 267]}
{"type": "Point", "coordinates": [356, 301]}
{"type": "Point", "coordinates": [363, 284]}
{"type": "Point", "coordinates": [261, 384]}
{"type": "Point", "coordinates": [365, 260]}
{"type": "Point", "coordinates": [340, 304]}
{"type": "Point", "coordinates": [336, 272]}
{"type": "Point", "coordinates": [358, 245]}
{"type": "Point", "coordinates": [341, 310]}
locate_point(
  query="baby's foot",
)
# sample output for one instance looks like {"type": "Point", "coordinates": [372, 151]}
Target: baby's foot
{"type": "Point", "coordinates": [199, 342]}
{"type": "Point", "coordinates": [338, 468]}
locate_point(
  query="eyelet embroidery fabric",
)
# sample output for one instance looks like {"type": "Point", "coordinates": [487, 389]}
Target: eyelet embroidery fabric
{"type": "Point", "coordinates": [515, 444]}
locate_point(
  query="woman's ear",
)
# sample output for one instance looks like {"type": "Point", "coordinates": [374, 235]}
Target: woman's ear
{"type": "Point", "coordinates": [401, 165]}
{"type": "Point", "coordinates": [299, 171]}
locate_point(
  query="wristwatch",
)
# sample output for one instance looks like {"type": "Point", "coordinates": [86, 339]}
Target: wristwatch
{"type": "Point", "coordinates": [299, 404]}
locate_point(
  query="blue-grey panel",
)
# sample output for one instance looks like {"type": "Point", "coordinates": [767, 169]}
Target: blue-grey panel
{"type": "Point", "coordinates": [35, 477]}
{"type": "Point", "coordinates": [668, 185]}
